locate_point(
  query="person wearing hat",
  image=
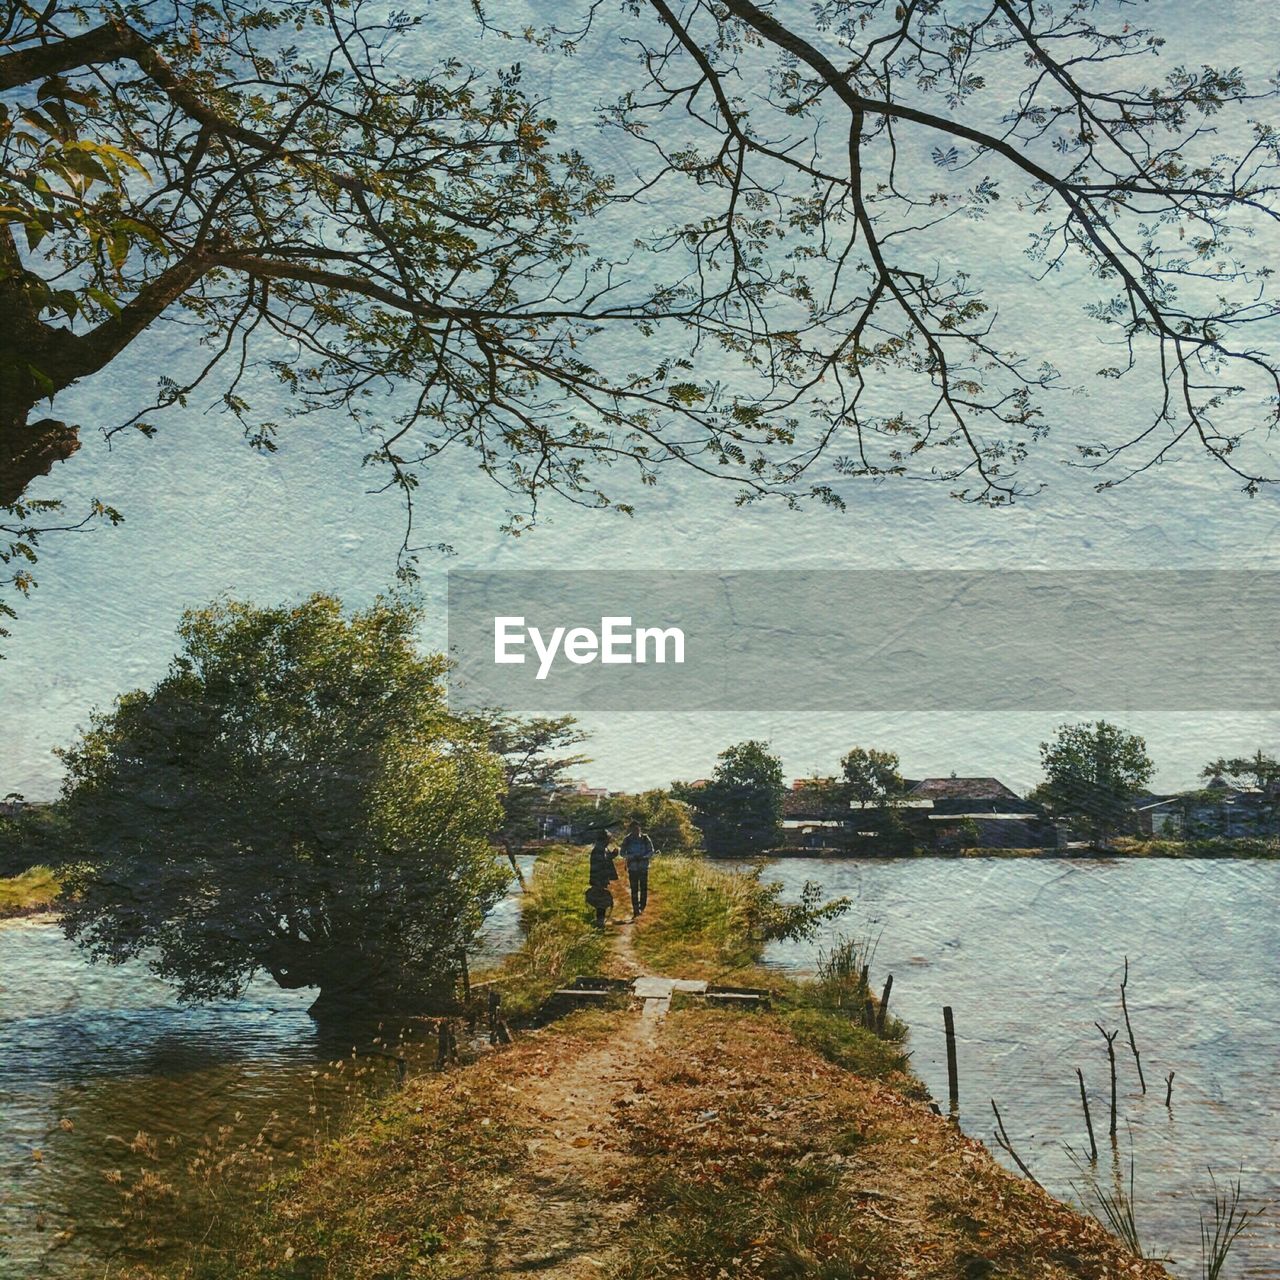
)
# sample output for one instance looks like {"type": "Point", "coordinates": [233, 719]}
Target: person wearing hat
{"type": "Point", "coordinates": [602, 872]}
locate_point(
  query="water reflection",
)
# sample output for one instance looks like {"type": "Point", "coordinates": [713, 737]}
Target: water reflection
{"type": "Point", "coordinates": [103, 1077]}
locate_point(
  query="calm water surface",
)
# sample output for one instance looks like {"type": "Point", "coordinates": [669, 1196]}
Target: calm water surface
{"type": "Point", "coordinates": [91, 1057]}
{"type": "Point", "coordinates": [1029, 953]}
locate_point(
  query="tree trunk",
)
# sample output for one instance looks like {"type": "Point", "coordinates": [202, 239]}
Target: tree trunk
{"type": "Point", "coordinates": [37, 360]}
{"type": "Point", "coordinates": [29, 449]}
{"type": "Point", "coordinates": [342, 1003]}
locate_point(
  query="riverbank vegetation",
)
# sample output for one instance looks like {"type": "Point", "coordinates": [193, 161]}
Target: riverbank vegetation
{"type": "Point", "coordinates": [34, 890]}
{"type": "Point", "coordinates": [1241, 847]}
{"type": "Point", "coordinates": [558, 939]}
{"type": "Point", "coordinates": [1214, 847]}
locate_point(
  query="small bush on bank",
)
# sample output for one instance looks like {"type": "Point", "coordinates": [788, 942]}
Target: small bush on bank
{"type": "Point", "coordinates": [34, 890]}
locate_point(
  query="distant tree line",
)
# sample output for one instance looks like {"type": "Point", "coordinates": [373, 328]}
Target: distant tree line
{"type": "Point", "coordinates": [1094, 773]}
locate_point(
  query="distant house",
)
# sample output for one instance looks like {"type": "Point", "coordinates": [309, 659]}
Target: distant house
{"type": "Point", "coordinates": [1218, 810]}
{"type": "Point", "coordinates": [980, 812]}
{"type": "Point", "coordinates": [934, 813]}
{"type": "Point", "coordinates": [812, 817]}
{"type": "Point", "coordinates": [580, 787]}
{"type": "Point", "coordinates": [564, 813]}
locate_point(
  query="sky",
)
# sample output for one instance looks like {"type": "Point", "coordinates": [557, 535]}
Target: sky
{"type": "Point", "coordinates": [205, 517]}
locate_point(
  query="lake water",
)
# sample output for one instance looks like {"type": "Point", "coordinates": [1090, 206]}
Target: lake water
{"type": "Point", "coordinates": [1027, 952]}
{"type": "Point", "coordinates": [92, 1057]}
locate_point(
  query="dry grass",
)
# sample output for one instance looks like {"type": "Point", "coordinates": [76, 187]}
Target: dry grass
{"type": "Point", "coordinates": [723, 1148]}
{"type": "Point", "coordinates": [763, 1160]}
{"type": "Point", "coordinates": [34, 890]}
{"type": "Point", "coordinates": [766, 1146]}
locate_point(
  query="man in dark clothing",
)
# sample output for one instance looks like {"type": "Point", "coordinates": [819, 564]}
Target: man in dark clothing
{"type": "Point", "coordinates": [602, 872]}
{"type": "Point", "coordinates": [637, 850]}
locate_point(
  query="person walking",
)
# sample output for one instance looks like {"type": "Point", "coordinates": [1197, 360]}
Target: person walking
{"type": "Point", "coordinates": [601, 874]}
{"type": "Point", "coordinates": [637, 850]}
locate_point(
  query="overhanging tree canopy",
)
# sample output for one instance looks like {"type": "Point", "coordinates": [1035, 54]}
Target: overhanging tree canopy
{"type": "Point", "coordinates": [296, 183]}
{"type": "Point", "coordinates": [837, 142]}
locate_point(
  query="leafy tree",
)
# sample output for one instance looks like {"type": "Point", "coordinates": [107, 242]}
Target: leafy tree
{"type": "Point", "coordinates": [1093, 772]}
{"type": "Point", "coordinates": [872, 777]}
{"type": "Point", "coordinates": [739, 809]}
{"type": "Point", "coordinates": [1259, 769]}
{"type": "Point", "coordinates": [533, 751]}
{"type": "Point", "coordinates": [297, 185]}
{"type": "Point", "coordinates": [667, 820]}
{"type": "Point", "coordinates": [292, 797]}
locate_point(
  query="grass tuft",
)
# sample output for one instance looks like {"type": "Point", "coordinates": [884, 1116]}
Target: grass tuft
{"type": "Point", "coordinates": [1230, 1218]}
{"type": "Point", "coordinates": [560, 940]}
{"type": "Point", "coordinates": [34, 890]}
{"type": "Point", "coordinates": [700, 922]}
{"type": "Point", "coordinates": [849, 1045]}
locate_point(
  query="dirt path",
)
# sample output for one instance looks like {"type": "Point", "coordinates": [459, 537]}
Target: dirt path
{"type": "Point", "coordinates": [565, 1214]}
{"type": "Point", "coordinates": [615, 1106]}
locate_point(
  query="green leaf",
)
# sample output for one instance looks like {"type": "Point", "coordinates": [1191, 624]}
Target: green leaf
{"type": "Point", "coordinates": [103, 299]}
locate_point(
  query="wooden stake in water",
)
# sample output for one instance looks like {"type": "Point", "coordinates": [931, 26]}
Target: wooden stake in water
{"type": "Point", "coordinates": [1088, 1119]}
{"type": "Point", "coordinates": [1133, 1044]}
{"type": "Point", "coordinates": [953, 1072]}
{"type": "Point", "coordinates": [1168, 1091]}
{"type": "Point", "coordinates": [882, 1012]}
{"type": "Point", "coordinates": [1110, 1038]}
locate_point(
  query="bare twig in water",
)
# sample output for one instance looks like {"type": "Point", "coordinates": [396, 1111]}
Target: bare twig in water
{"type": "Point", "coordinates": [1088, 1119]}
{"type": "Point", "coordinates": [1168, 1090]}
{"type": "Point", "coordinates": [1133, 1044]}
{"type": "Point", "coordinates": [1003, 1139]}
{"type": "Point", "coordinates": [1110, 1038]}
